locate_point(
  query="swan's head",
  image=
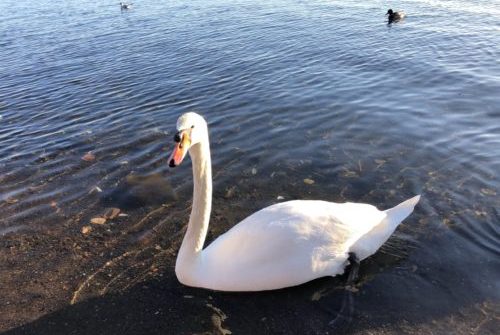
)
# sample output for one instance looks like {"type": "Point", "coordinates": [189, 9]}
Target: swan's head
{"type": "Point", "coordinates": [191, 130]}
{"type": "Point", "coordinates": [389, 12]}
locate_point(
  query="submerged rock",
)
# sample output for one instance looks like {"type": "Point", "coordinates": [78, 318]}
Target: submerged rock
{"type": "Point", "coordinates": [98, 220]}
{"type": "Point", "coordinates": [138, 191]}
{"type": "Point", "coordinates": [86, 230]}
{"type": "Point", "coordinates": [111, 213]}
{"type": "Point", "coordinates": [88, 157]}
{"type": "Point", "coordinates": [308, 181]}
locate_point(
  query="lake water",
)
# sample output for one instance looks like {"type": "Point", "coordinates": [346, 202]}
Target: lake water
{"type": "Point", "coordinates": [292, 90]}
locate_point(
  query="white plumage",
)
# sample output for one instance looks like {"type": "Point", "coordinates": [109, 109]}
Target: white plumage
{"type": "Point", "coordinates": [282, 245]}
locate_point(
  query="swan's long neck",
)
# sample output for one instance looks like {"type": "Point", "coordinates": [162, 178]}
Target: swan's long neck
{"type": "Point", "coordinates": [202, 203]}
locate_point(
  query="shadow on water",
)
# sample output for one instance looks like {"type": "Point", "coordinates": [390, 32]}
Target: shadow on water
{"type": "Point", "coordinates": [136, 191]}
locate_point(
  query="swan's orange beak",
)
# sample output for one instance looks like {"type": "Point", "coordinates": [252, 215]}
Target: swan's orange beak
{"type": "Point", "coordinates": [181, 148]}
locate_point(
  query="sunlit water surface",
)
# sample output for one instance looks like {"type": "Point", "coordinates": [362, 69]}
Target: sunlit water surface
{"type": "Point", "coordinates": [292, 90]}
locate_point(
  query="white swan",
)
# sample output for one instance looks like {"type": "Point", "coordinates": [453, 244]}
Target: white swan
{"type": "Point", "coordinates": [282, 245]}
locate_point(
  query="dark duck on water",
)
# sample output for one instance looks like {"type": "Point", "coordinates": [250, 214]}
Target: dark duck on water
{"type": "Point", "coordinates": [395, 16]}
{"type": "Point", "coordinates": [125, 6]}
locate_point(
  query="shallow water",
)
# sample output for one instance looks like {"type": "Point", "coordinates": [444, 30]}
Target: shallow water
{"type": "Point", "coordinates": [291, 90]}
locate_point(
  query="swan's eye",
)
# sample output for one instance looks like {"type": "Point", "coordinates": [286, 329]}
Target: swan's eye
{"type": "Point", "coordinates": [177, 137]}
{"type": "Point", "coordinates": [192, 126]}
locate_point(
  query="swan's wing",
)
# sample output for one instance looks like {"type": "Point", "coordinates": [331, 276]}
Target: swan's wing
{"type": "Point", "coordinates": [286, 244]}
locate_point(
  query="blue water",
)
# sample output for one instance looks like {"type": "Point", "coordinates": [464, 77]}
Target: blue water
{"type": "Point", "coordinates": [323, 90]}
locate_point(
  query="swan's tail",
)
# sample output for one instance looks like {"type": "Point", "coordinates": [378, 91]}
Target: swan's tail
{"type": "Point", "coordinates": [397, 214]}
{"type": "Point", "coordinates": [370, 242]}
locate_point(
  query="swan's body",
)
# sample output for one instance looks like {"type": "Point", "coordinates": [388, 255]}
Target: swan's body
{"type": "Point", "coordinates": [282, 245]}
{"type": "Point", "coordinates": [395, 16]}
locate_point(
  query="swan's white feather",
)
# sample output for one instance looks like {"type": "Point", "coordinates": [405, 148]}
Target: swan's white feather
{"type": "Point", "coordinates": [282, 245]}
{"type": "Point", "coordinates": [286, 244]}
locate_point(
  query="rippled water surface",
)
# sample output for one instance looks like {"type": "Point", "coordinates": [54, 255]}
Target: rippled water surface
{"type": "Point", "coordinates": [292, 90]}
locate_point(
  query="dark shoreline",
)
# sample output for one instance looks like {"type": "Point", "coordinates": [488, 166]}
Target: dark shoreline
{"type": "Point", "coordinates": [134, 289]}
